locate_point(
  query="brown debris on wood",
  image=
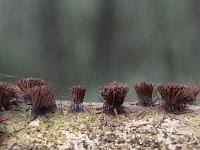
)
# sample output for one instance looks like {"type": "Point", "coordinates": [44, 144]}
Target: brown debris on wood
{"type": "Point", "coordinates": [113, 96]}
{"type": "Point", "coordinates": [144, 91]}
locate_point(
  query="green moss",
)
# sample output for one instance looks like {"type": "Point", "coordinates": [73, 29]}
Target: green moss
{"type": "Point", "coordinates": [137, 129]}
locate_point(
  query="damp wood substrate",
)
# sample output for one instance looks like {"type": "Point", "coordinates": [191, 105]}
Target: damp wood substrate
{"type": "Point", "coordinates": [139, 128]}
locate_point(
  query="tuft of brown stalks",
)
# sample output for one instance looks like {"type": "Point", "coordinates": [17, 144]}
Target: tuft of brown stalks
{"type": "Point", "coordinates": [176, 97]}
{"type": "Point", "coordinates": [8, 92]}
{"type": "Point", "coordinates": [113, 96]}
{"type": "Point", "coordinates": [26, 84]}
{"type": "Point", "coordinates": [42, 100]}
{"type": "Point", "coordinates": [144, 91]}
{"type": "Point", "coordinates": [77, 94]}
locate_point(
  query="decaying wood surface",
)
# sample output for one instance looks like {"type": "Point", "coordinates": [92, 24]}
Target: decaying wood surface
{"type": "Point", "coordinates": [139, 128]}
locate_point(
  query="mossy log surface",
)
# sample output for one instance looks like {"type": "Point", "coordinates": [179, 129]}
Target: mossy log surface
{"type": "Point", "coordinates": [139, 128]}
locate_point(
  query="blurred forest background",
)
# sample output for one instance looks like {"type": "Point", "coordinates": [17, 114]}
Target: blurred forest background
{"type": "Point", "coordinates": [93, 42]}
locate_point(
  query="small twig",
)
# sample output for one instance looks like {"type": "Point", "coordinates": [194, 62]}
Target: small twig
{"type": "Point", "coordinates": [104, 120]}
{"type": "Point", "coordinates": [56, 93]}
{"type": "Point", "coordinates": [130, 94]}
{"type": "Point", "coordinates": [101, 100]}
{"type": "Point", "coordinates": [48, 119]}
{"type": "Point", "coordinates": [61, 106]}
{"type": "Point", "coordinates": [2, 108]}
{"type": "Point", "coordinates": [158, 125]}
{"type": "Point", "coordinates": [142, 114]}
{"type": "Point", "coordinates": [86, 108]}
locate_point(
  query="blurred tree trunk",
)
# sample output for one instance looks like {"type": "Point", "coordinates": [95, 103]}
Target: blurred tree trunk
{"type": "Point", "coordinates": [195, 10]}
{"type": "Point", "coordinates": [195, 44]}
{"type": "Point", "coordinates": [163, 32]}
{"type": "Point", "coordinates": [103, 55]}
{"type": "Point", "coordinates": [51, 42]}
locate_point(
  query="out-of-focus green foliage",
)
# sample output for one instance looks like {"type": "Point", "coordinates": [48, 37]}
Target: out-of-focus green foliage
{"type": "Point", "coordinates": [93, 42]}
